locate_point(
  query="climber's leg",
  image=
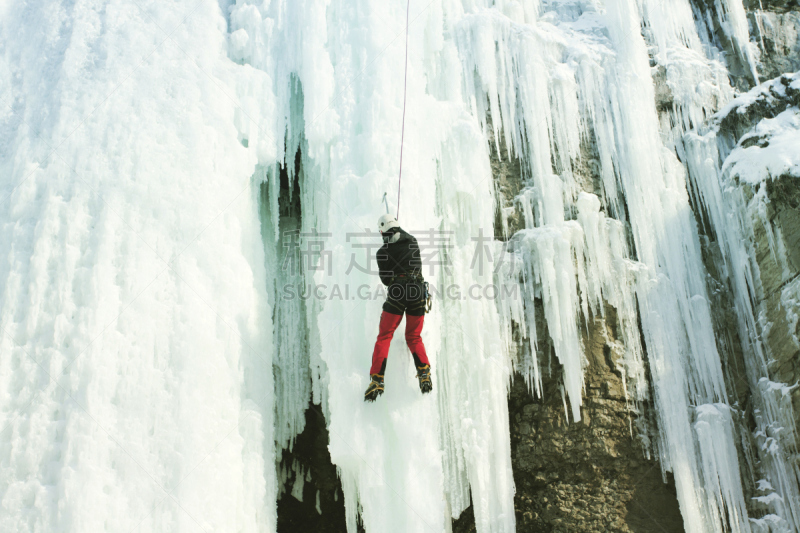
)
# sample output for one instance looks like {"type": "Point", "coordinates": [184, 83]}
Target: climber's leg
{"type": "Point", "coordinates": [414, 338]}
{"type": "Point", "coordinates": [389, 323]}
{"type": "Point", "coordinates": [414, 341]}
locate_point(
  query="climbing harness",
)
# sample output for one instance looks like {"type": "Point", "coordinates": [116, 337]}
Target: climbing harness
{"type": "Point", "coordinates": [403, 129]}
{"type": "Point", "coordinates": [405, 279]}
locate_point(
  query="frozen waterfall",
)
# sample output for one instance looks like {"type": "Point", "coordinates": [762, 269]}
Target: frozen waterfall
{"type": "Point", "coordinates": [188, 196]}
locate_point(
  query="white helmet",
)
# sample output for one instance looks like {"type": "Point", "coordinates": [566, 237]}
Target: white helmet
{"type": "Point", "coordinates": [387, 222]}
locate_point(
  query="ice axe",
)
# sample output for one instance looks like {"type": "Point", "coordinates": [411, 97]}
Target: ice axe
{"type": "Point", "coordinates": [384, 200]}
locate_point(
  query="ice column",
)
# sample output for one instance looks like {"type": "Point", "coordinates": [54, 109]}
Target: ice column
{"type": "Point", "coordinates": [674, 308]}
{"type": "Point", "coordinates": [134, 321]}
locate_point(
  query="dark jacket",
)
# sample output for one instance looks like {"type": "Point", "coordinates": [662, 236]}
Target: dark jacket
{"type": "Point", "coordinates": [398, 256]}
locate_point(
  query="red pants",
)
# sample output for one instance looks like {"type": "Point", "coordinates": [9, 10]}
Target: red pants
{"type": "Point", "coordinates": [389, 323]}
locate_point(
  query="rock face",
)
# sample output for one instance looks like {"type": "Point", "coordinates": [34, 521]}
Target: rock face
{"type": "Point", "coordinates": [315, 503]}
{"type": "Point", "coordinates": [773, 212]}
{"type": "Point", "coordinates": [594, 475]}
{"type": "Point", "coordinates": [775, 27]}
{"type": "Point", "coordinates": [779, 302]}
{"type": "Point", "coordinates": [591, 475]}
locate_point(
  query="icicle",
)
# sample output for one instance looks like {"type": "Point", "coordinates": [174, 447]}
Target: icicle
{"type": "Point", "coordinates": [733, 20]}
{"type": "Point", "coordinates": [548, 254]}
{"type": "Point", "coordinates": [720, 465]}
{"type": "Point", "coordinates": [299, 482]}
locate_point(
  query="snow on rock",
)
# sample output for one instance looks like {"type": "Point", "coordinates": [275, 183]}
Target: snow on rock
{"type": "Point", "coordinates": [768, 151]}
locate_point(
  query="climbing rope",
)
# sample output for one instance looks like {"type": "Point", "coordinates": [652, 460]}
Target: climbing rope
{"type": "Point", "coordinates": [403, 130]}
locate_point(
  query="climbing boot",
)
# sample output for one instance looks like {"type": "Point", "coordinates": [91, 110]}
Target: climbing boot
{"type": "Point", "coordinates": [374, 389]}
{"type": "Point", "coordinates": [424, 376]}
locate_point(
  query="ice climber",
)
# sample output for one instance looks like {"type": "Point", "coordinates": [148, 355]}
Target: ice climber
{"type": "Point", "coordinates": [400, 268]}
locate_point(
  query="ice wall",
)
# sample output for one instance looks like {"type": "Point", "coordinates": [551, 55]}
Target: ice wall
{"type": "Point", "coordinates": [156, 158]}
{"type": "Point", "coordinates": [582, 71]}
{"type": "Point", "coordinates": [135, 371]}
